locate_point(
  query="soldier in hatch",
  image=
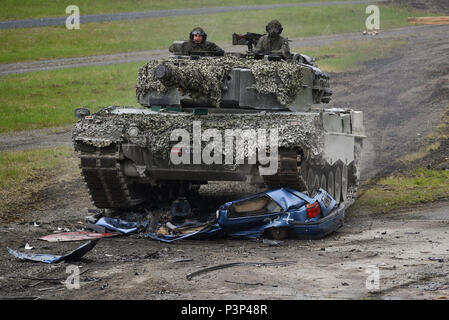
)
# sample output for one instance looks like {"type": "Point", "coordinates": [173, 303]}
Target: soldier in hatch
{"type": "Point", "coordinates": [197, 45]}
{"type": "Point", "coordinates": [272, 42]}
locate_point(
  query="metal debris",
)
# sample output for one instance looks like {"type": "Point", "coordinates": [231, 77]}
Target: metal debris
{"type": "Point", "coordinates": [208, 230]}
{"type": "Point", "coordinates": [181, 260]}
{"type": "Point", "coordinates": [49, 258]}
{"type": "Point", "coordinates": [246, 283]}
{"type": "Point", "coordinates": [120, 225]}
{"type": "Point", "coordinates": [273, 242]}
{"type": "Point", "coordinates": [76, 236]}
{"type": "Point", "coordinates": [235, 264]}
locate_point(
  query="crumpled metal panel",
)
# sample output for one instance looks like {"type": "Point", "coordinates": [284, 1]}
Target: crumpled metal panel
{"type": "Point", "coordinates": [293, 216]}
{"type": "Point", "coordinates": [119, 225]}
{"type": "Point", "coordinates": [294, 212]}
{"type": "Point", "coordinates": [49, 258]}
{"type": "Point", "coordinates": [207, 232]}
{"type": "Point", "coordinates": [76, 236]}
{"type": "Point", "coordinates": [286, 199]}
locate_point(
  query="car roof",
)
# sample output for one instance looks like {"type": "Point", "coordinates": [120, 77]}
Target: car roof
{"type": "Point", "coordinates": [287, 197]}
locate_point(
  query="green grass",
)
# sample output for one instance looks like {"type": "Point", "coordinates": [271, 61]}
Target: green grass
{"type": "Point", "coordinates": [146, 34]}
{"type": "Point", "coordinates": [48, 99]}
{"type": "Point", "coordinates": [337, 58]}
{"type": "Point", "coordinates": [403, 190]}
{"type": "Point", "coordinates": [13, 9]}
{"type": "Point", "coordinates": [414, 186]}
{"type": "Point", "coordinates": [23, 174]}
{"type": "Point", "coordinates": [432, 141]}
{"type": "Point", "coordinates": [19, 167]}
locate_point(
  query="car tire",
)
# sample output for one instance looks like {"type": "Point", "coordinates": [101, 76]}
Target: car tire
{"type": "Point", "coordinates": [278, 233]}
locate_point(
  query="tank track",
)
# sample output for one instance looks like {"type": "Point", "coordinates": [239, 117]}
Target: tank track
{"type": "Point", "coordinates": [109, 188]}
{"type": "Point", "coordinates": [289, 172]}
{"type": "Point", "coordinates": [102, 172]}
{"type": "Point", "coordinates": [339, 180]}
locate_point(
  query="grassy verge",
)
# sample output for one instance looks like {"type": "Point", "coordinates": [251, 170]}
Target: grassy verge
{"type": "Point", "coordinates": [24, 174]}
{"type": "Point", "coordinates": [428, 181]}
{"type": "Point", "coordinates": [48, 99]}
{"type": "Point", "coordinates": [432, 142]}
{"type": "Point", "coordinates": [403, 190]}
{"type": "Point", "coordinates": [146, 34]}
{"type": "Point", "coordinates": [12, 9]}
{"type": "Point", "coordinates": [337, 57]}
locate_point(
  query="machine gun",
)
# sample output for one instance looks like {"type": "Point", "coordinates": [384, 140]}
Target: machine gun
{"type": "Point", "coordinates": [250, 39]}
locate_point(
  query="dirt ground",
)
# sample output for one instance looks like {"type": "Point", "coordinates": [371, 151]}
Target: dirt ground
{"type": "Point", "coordinates": [409, 250]}
{"type": "Point", "coordinates": [403, 97]}
{"type": "Point", "coordinates": [439, 6]}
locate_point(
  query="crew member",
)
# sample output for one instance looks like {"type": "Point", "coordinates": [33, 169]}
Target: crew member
{"type": "Point", "coordinates": [272, 42]}
{"type": "Point", "coordinates": [198, 45]}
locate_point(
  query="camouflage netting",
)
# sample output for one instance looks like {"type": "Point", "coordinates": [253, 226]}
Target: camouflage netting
{"type": "Point", "coordinates": [303, 130]}
{"type": "Point", "coordinates": [204, 78]}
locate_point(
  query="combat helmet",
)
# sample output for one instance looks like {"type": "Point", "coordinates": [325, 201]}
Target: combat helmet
{"type": "Point", "coordinates": [200, 31]}
{"type": "Point", "coordinates": [274, 23]}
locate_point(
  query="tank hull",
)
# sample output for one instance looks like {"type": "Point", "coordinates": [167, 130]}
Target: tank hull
{"type": "Point", "coordinates": [130, 156]}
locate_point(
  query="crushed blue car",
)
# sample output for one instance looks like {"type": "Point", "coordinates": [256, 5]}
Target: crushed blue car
{"type": "Point", "coordinates": [281, 213]}
{"type": "Point", "coordinates": [278, 214]}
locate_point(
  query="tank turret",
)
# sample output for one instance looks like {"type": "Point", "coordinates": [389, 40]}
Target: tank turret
{"type": "Point", "coordinates": [233, 82]}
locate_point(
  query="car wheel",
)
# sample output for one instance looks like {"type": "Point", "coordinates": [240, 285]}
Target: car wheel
{"type": "Point", "coordinates": [279, 233]}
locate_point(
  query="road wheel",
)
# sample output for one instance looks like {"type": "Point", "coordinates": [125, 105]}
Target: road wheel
{"type": "Point", "coordinates": [344, 182]}
{"type": "Point", "coordinates": [331, 184]}
{"type": "Point", "coordinates": [337, 183]}
{"type": "Point", "coordinates": [310, 181]}
{"type": "Point", "coordinates": [316, 183]}
{"type": "Point", "coordinates": [323, 183]}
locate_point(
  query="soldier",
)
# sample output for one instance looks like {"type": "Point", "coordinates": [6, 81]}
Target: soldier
{"type": "Point", "coordinates": [273, 42]}
{"type": "Point", "coordinates": [198, 44]}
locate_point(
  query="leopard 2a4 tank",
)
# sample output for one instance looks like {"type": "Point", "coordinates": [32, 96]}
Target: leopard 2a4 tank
{"type": "Point", "coordinates": [192, 106]}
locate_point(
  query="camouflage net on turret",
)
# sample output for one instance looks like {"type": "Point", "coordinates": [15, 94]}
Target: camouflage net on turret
{"type": "Point", "coordinates": [203, 79]}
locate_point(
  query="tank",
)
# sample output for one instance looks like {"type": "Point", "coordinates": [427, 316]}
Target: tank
{"type": "Point", "coordinates": [239, 117]}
